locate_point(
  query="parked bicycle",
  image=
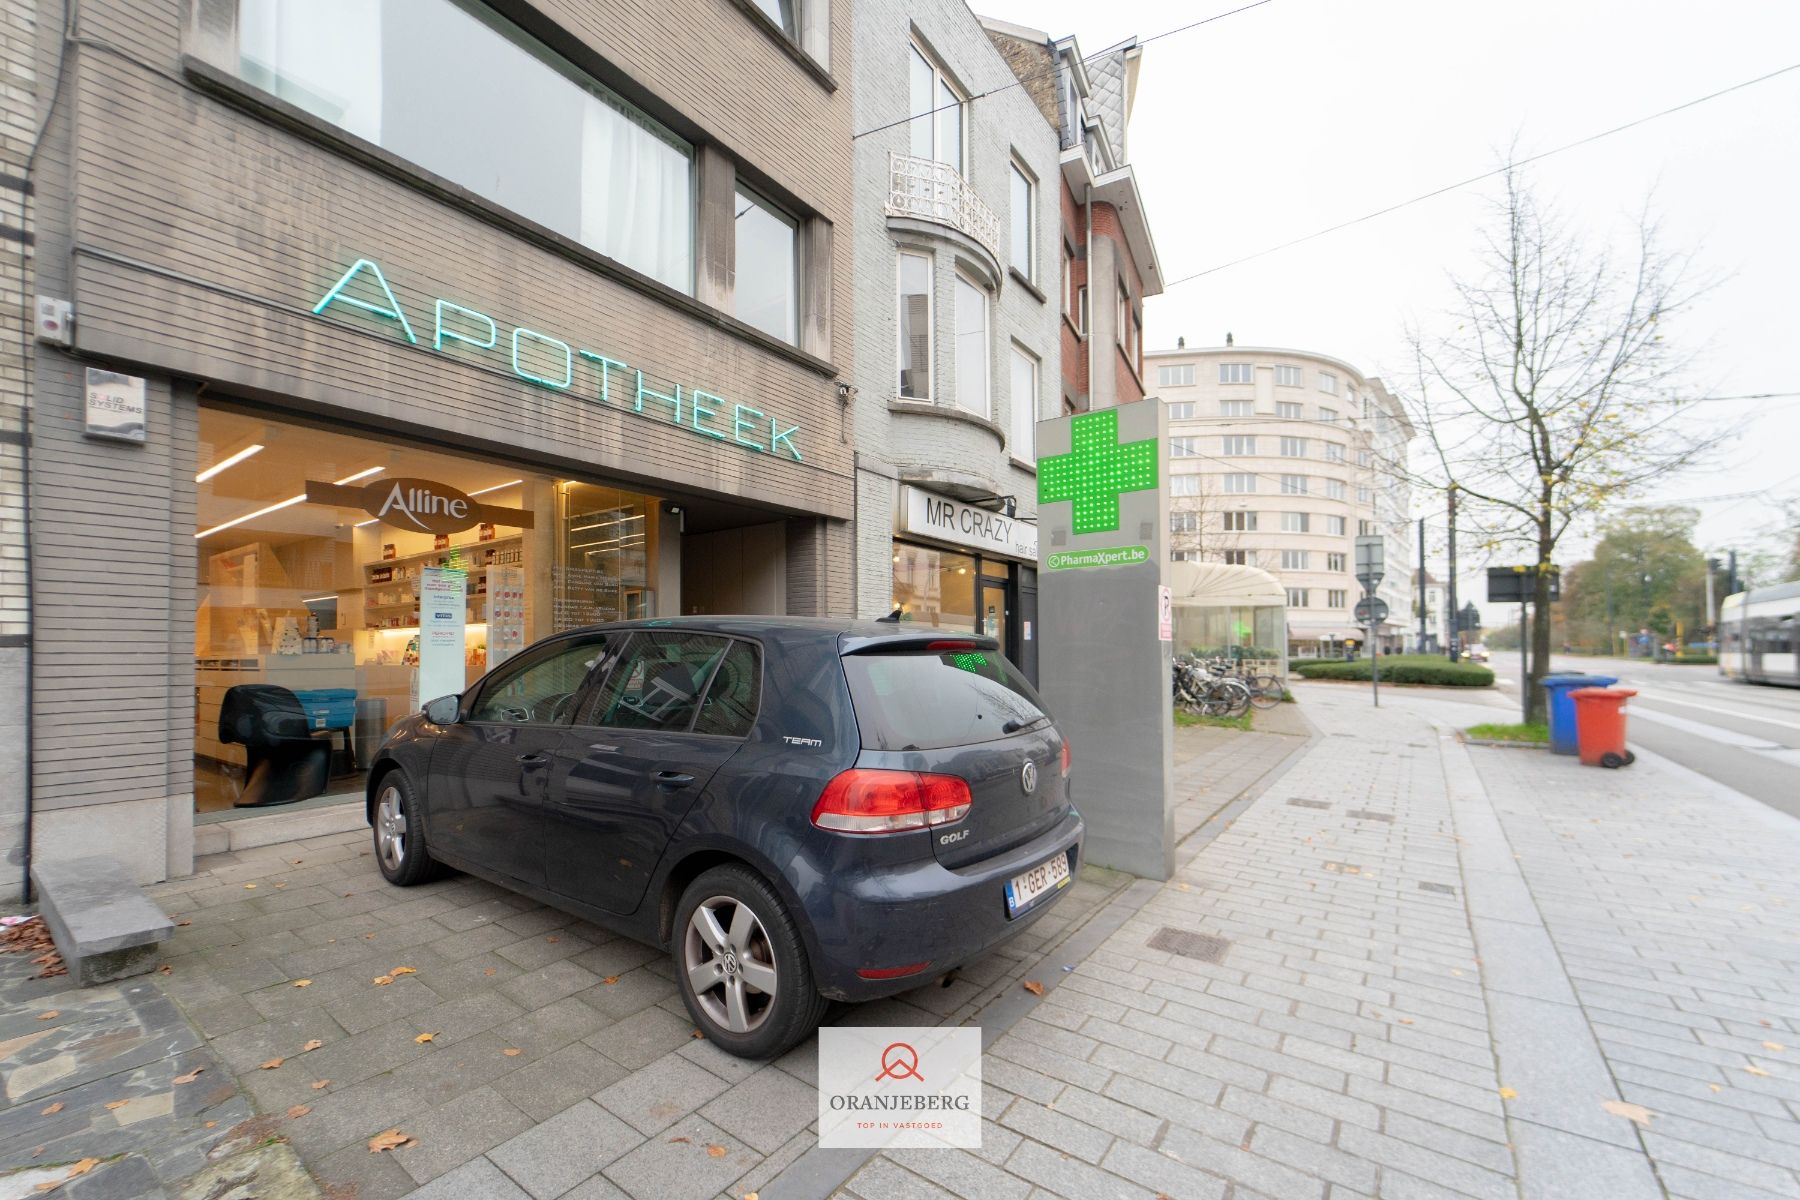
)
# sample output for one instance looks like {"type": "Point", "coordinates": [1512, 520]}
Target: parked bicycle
{"type": "Point", "coordinates": [1266, 691]}
{"type": "Point", "coordinates": [1202, 689]}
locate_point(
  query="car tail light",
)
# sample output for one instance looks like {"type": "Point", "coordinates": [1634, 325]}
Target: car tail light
{"type": "Point", "coordinates": [861, 800]}
{"type": "Point", "coordinates": [1065, 757]}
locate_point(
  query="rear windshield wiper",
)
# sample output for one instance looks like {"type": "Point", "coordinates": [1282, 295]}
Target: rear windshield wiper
{"type": "Point", "coordinates": [1016, 726]}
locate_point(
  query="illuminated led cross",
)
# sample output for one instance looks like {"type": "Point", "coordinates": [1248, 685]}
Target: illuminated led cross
{"type": "Point", "coordinates": [1097, 471]}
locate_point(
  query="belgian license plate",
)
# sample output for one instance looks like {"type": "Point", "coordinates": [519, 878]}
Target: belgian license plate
{"type": "Point", "coordinates": [1024, 890]}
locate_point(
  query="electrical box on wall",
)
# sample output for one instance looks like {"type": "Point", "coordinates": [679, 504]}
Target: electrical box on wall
{"type": "Point", "coordinates": [55, 321]}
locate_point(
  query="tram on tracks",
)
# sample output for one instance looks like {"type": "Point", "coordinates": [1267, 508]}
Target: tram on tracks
{"type": "Point", "coordinates": [1759, 635]}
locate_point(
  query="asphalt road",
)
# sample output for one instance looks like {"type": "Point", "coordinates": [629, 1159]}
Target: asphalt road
{"type": "Point", "coordinates": [1744, 736]}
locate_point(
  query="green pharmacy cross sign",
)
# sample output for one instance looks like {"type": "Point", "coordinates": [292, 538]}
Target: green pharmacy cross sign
{"type": "Point", "coordinates": [1097, 471]}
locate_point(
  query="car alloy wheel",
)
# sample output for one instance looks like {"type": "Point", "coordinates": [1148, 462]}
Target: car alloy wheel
{"type": "Point", "coordinates": [390, 827]}
{"type": "Point", "coordinates": [730, 964]}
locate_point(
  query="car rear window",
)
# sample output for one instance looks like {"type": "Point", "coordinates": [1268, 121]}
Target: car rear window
{"type": "Point", "coordinates": [922, 700]}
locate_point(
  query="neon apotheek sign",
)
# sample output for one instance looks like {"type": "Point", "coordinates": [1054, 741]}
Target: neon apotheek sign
{"type": "Point", "coordinates": [534, 357]}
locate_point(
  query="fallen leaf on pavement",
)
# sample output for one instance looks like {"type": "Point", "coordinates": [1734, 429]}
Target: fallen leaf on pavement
{"type": "Point", "coordinates": [190, 1076]}
{"type": "Point", "coordinates": [182, 924]}
{"type": "Point", "coordinates": [512, 1052]}
{"type": "Point", "coordinates": [298, 1111]}
{"type": "Point", "coordinates": [1715, 1087]}
{"type": "Point", "coordinates": [49, 1016]}
{"type": "Point", "coordinates": [716, 1152]}
{"type": "Point", "coordinates": [311, 1046]}
{"type": "Point", "coordinates": [553, 939]}
{"type": "Point", "coordinates": [425, 1037]}
{"type": "Point", "coordinates": [82, 1168]}
{"type": "Point", "coordinates": [697, 1034]}
{"type": "Point", "coordinates": [249, 887]}
{"type": "Point", "coordinates": [302, 983]}
{"type": "Point", "coordinates": [212, 1124]}
{"type": "Point", "coordinates": [319, 1084]}
{"type": "Point", "coordinates": [1631, 1112]}
{"type": "Point", "coordinates": [610, 980]}
{"type": "Point", "coordinates": [391, 1139]}
{"type": "Point", "coordinates": [1508, 1094]}
{"type": "Point", "coordinates": [750, 1196]}
{"type": "Point", "coordinates": [680, 1141]}
{"type": "Point", "coordinates": [368, 937]}
{"type": "Point", "coordinates": [271, 1064]}
{"type": "Point", "coordinates": [490, 971]}
{"type": "Point", "coordinates": [1756, 1070]}
{"type": "Point", "coordinates": [1773, 1046]}
{"type": "Point", "coordinates": [165, 969]}
{"type": "Point", "coordinates": [114, 1105]}
{"type": "Point", "coordinates": [383, 980]}
{"type": "Point", "coordinates": [53, 1109]}
{"type": "Point", "coordinates": [404, 971]}
{"type": "Point", "coordinates": [1034, 987]}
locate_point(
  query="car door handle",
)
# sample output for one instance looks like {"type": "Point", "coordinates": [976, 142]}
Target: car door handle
{"type": "Point", "coordinates": [533, 760]}
{"type": "Point", "coordinates": [673, 779]}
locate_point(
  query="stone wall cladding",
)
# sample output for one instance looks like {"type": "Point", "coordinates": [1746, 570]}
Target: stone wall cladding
{"type": "Point", "coordinates": [204, 233]}
{"type": "Point", "coordinates": [1000, 126]}
{"type": "Point", "coordinates": [1035, 66]}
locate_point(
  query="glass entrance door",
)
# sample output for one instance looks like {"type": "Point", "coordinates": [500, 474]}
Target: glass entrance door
{"type": "Point", "coordinates": [995, 610]}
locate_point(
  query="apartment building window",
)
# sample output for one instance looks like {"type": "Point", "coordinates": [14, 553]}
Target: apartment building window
{"type": "Point", "coordinates": [1181, 410]}
{"type": "Point", "coordinates": [1328, 415]}
{"type": "Point", "coordinates": [1294, 560]}
{"type": "Point", "coordinates": [1350, 397]}
{"type": "Point", "coordinates": [1335, 525]}
{"type": "Point", "coordinates": [1334, 598]}
{"type": "Point", "coordinates": [1240, 522]}
{"type": "Point", "coordinates": [1298, 598]}
{"type": "Point", "coordinates": [1237, 408]}
{"type": "Point", "coordinates": [1368, 408]}
{"type": "Point", "coordinates": [1240, 484]}
{"type": "Point", "coordinates": [1127, 329]}
{"type": "Point", "coordinates": [1024, 223]}
{"type": "Point", "coordinates": [1334, 562]}
{"type": "Point", "coordinates": [971, 347]}
{"type": "Point", "coordinates": [616, 181]}
{"type": "Point", "coordinates": [1292, 447]}
{"type": "Point", "coordinates": [1288, 411]}
{"type": "Point", "coordinates": [1240, 558]}
{"type": "Point", "coordinates": [1238, 444]}
{"type": "Point", "coordinates": [1364, 494]}
{"type": "Point", "coordinates": [1328, 383]}
{"type": "Point", "coordinates": [767, 291]}
{"type": "Point", "coordinates": [1184, 485]}
{"type": "Point", "coordinates": [938, 134]}
{"type": "Point", "coordinates": [1293, 485]}
{"type": "Point", "coordinates": [1334, 452]}
{"type": "Point", "coordinates": [1288, 376]}
{"type": "Point", "coordinates": [1235, 373]}
{"type": "Point", "coordinates": [1365, 458]}
{"type": "Point", "coordinates": [1184, 556]}
{"type": "Point", "coordinates": [1184, 447]}
{"type": "Point", "coordinates": [915, 327]}
{"type": "Point", "coordinates": [1182, 376]}
{"type": "Point", "coordinates": [1024, 405]}
{"type": "Point", "coordinates": [1334, 489]}
{"type": "Point", "coordinates": [1068, 281]}
{"type": "Point", "coordinates": [1365, 528]}
{"type": "Point", "coordinates": [1184, 522]}
{"type": "Point", "coordinates": [782, 13]}
{"type": "Point", "coordinates": [1293, 522]}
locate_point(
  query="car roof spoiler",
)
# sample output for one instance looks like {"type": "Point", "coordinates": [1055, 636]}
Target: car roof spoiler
{"type": "Point", "coordinates": [906, 641]}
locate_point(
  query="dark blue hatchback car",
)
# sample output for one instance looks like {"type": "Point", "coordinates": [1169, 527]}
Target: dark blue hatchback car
{"type": "Point", "coordinates": [799, 810]}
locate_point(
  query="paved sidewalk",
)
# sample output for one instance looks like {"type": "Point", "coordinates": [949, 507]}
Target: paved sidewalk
{"type": "Point", "coordinates": [1386, 1001]}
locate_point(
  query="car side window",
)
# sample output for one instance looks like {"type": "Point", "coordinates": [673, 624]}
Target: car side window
{"type": "Point", "coordinates": [730, 705]}
{"type": "Point", "coordinates": [657, 682]}
{"type": "Point", "coordinates": [543, 689]}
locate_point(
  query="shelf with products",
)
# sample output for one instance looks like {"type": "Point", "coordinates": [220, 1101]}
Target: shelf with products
{"type": "Point", "coordinates": [488, 549]}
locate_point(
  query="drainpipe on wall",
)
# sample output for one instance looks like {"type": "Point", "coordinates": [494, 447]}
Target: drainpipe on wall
{"type": "Point", "coordinates": [1087, 332]}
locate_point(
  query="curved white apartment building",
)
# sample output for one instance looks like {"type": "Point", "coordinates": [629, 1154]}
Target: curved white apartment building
{"type": "Point", "coordinates": [1276, 461]}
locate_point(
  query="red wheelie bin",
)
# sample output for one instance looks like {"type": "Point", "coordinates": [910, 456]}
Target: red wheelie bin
{"type": "Point", "coordinates": [1600, 726]}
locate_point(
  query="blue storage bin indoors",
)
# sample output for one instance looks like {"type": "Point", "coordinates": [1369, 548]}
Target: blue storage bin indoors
{"type": "Point", "coordinates": [328, 708]}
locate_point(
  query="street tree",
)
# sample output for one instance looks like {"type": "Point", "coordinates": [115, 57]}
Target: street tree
{"type": "Point", "coordinates": [1207, 525]}
{"type": "Point", "coordinates": [1548, 392]}
{"type": "Point", "coordinates": [1645, 564]}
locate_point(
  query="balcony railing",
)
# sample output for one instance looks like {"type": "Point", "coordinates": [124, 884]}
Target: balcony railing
{"type": "Point", "coordinates": [933, 191]}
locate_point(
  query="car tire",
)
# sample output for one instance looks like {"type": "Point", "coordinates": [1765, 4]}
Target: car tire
{"type": "Point", "coordinates": [741, 965]}
{"type": "Point", "coordinates": [399, 833]}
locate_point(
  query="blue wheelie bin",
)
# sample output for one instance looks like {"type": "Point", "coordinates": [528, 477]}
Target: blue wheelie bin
{"type": "Point", "coordinates": [1562, 708]}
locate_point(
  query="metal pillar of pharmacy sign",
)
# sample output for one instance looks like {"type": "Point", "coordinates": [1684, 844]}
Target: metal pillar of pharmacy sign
{"type": "Point", "coordinates": [1104, 656]}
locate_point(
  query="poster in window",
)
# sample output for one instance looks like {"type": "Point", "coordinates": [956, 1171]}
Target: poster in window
{"type": "Point", "coordinates": [442, 593]}
{"type": "Point", "coordinates": [506, 613]}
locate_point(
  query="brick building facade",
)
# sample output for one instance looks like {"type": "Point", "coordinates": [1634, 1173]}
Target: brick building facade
{"type": "Point", "coordinates": [597, 299]}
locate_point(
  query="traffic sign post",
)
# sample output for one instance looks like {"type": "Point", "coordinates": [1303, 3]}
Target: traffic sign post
{"type": "Point", "coordinates": [1371, 610]}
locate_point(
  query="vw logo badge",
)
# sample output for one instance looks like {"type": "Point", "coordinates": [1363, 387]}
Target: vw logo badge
{"type": "Point", "coordinates": [1028, 777]}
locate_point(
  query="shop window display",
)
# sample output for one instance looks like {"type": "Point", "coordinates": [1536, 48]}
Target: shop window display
{"type": "Point", "coordinates": [312, 550]}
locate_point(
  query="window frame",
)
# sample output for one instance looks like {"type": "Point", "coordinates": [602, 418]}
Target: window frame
{"type": "Point", "coordinates": [1337, 598]}
{"type": "Point", "coordinates": [534, 657]}
{"type": "Point", "coordinates": [797, 279]}
{"type": "Point", "coordinates": [1328, 383]}
{"type": "Point", "coordinates": [1181, 410]}
{"type": "Point", "coordinates": [1290, 410]}
{"type": "Point", "coordinates": [1293, 447]}
{"type": "Point", "coordinates": [1021, 174]}
{"type": "Point", "coordinates": [1245, 521]}
{"type": "Point", "coordinates": [1227, 408]}
{"type": "Point", "coordinates": [1304, 594]}
{"type": "Point", "coordinates": [1286, 376]}
{"type": "Point", "coordinates": [1237, 445]}
{"type": "Point", "coordinates": [930, 261]}
{"type": "Point", "coordinates": [1294, 485]}
{"type": "Point", "coordinates": [1296, 560]}
{"type": "Point", "coordinates": [1335, 560]}
{"type": "Point", "coordinates": [598, 681]}
{"type": "Point", "coordinates": [1302, 522]}
{"type": "Point", "coordinates": [1185, 446]}
{"type": "Point", "coordinates": [1028, 435]}
{"type": "Point", "coordinates": [1233, 477]}
{"type": "Point", "coordinates": [1229, 371]}
{"type": "Point", "coordinates": [941, 81]}
{"type": "Point", "coordinates": [1182, 479]}
{"type": "Point", "coordinates": [1175, 375]}
{"type": "Point", "coordinates": [986, 411]}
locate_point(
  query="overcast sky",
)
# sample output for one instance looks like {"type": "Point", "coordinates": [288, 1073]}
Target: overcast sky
{"type": "Point", "coordinates": [1273, 123]}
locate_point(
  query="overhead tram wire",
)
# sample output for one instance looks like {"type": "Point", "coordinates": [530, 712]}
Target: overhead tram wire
{"type": "Point", "coordinates": [1022, 80]}
{"type": "Point", "coordinates": [1485, 175]}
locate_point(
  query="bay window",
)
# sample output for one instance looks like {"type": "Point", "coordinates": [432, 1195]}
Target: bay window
{"type": "Point", "coordinates": [936, 108]}
{"type": "Point", "coordinates": [971, 347]}
{"type": "Point", "coordinates": [915, 327]}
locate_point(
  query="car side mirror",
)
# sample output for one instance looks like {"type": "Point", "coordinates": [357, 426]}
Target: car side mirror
{"type": "Point", "coordinates": [445, 710]}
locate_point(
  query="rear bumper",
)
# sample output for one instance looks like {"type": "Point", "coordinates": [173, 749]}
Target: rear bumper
{"type": "Point", "coordinates": [930, 913]}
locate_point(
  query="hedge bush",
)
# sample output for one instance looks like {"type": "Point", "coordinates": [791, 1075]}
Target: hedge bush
{"type": "Point", "coordinates": [1402, 668]}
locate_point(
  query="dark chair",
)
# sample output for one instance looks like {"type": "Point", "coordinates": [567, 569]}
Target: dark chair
{"type": "Point", "coordinates": [283, 761]}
